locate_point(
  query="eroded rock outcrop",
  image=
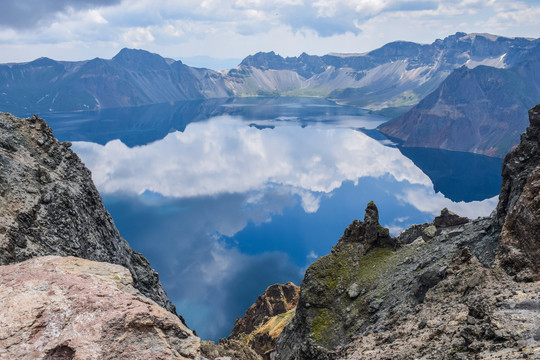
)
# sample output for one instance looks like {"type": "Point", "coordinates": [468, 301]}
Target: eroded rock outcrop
{"type": "Point", "coordinates": [69, 308]}
{"type": "Point", "coordinates": [277, 299]}
{"type": "Point", "coordinates": [448, 218]}
{"type": "Point", "coordinates": [50, 206]}
{"type": "Point", "coordinates": [518, 210]}
{"type": "Point", "coordinates": [266, 318]}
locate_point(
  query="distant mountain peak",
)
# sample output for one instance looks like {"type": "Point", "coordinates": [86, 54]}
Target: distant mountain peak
{"type": "Point", "coordinates": [138, 60]}
{"type": "Point", "coordinates": [44, 61]}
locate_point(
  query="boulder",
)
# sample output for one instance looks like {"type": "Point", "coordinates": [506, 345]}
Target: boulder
{"type": "Point", "coordinates": [55, 307]}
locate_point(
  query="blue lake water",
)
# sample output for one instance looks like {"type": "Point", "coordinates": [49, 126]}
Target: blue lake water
{"type": "Point", "coordinates": [229, 196]}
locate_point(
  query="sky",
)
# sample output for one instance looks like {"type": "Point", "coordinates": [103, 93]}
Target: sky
{"type": "Point", "coordinates": [233, 29]}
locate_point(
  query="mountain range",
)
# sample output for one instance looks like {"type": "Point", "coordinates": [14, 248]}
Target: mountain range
{"type": "Point", "coordinates": [445, 81]}
{"type": "Point", "coordinates": [480, 110]}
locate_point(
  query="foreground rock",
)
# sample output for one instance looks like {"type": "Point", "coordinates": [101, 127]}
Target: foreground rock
{"type": "Point", "coordinates": [266, 318]}
{"type": "Point", "coordinates": [473, 313]}
{"type": "Point", "coordinates": [50, 206]}
{"type": "Point", "coordinates": [441, 290]}
{"type": "Point", "coordinates": [365, 286]}
{"type": "Point", "coordinates": [70, 308]}
{"type": "Point", "coordinates": [227, 350]}
{"type": "Point", "coordinates": [518, 210]}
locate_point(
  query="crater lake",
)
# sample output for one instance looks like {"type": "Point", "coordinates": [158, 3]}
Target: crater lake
{"type": "Point", "coordinates": [226, 197]}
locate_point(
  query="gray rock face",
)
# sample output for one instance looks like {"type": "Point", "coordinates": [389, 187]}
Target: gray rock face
{"type": "Point", "coordinates": [518, 165]}
{"type": "Point", "coordinates": [49, 206]}
{"type": "Point", "coordinates": [518, 211]}
{"type": "Point", "coordinates": [448, 218]}
{"type": "Point", "coordinates": [360, 289]}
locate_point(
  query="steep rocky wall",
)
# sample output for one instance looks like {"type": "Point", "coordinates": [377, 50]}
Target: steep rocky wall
{"type": "Point", "coordinates": [69, 308]}
{"type": "Point", "coordinates": [518, 211]}
{"type": "Point", "coordinates": [50, 206]}
{"type": "Point", "coordinates": [518, 165]}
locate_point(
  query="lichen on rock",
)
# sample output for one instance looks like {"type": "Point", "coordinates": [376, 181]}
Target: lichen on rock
{"type": "Point", "coordinates": [264, 321]}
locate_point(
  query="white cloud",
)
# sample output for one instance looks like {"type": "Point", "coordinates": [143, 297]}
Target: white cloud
{"type": "Point", "coordinates": [137, 37]}
{"type": "Point", "coordinates": [426, 201]}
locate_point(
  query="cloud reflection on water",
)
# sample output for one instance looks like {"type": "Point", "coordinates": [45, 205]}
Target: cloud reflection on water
{"type": "Point", "coordinates": [223, 155]}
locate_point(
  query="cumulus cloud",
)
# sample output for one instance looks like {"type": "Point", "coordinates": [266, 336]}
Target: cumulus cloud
{"type": "Point", "coordinates": [237, 28]}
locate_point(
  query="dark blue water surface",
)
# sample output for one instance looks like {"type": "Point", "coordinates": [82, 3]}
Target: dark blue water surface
{"type": "Point", "coordinates": [229, 196]}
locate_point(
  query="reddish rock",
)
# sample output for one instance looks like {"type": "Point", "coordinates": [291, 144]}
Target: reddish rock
{"type": "Point", "coordinates": [69, 308]}
{"type": "Point", "coordinates": [277, 299]}
{"type": "Point", "coordinates": [266, 318]}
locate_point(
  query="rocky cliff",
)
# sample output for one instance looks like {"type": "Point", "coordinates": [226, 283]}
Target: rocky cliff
{"type": "Point", "coordinates": [451, 289]}
{"type": "Point", "coordinates": [55, 302]}
{"type": "Point", "coordinates": [50, 206]}
{"type": "Point", "coordinates": [518, 211]}
{"type": "Point", "coordinates": [69, 308]}
{"type": "Point", "coordinates": [266, 318]}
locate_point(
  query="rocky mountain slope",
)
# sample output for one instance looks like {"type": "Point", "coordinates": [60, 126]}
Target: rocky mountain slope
{"type": "Point", "coordinates": [56, 300]}
{"type": "Point", "coordinates": [50, 206]}
{"type": "Point", "coordinates": [480, 110]}
{"type": "Point", "coordinates": [451, 289]}
{"type": "Point", "coordinates": [397, 75]}
{"type": "Point", "coordinates": [132, 77]}
{"type": "Point", "coordinates": [69, 308]}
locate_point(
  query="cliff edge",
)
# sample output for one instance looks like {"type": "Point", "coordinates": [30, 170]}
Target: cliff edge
{"type": "Point", "coordinates": [50, 206]}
